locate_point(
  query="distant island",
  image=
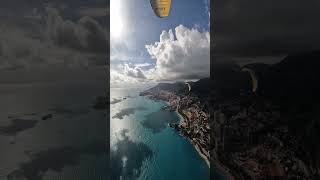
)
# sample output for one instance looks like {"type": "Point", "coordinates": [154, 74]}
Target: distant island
{"type": "Point", "coordinates": [188, 100]}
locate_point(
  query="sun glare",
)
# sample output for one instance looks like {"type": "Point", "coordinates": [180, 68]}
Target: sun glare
{"type": "Point", "coordinates": [116, 21]}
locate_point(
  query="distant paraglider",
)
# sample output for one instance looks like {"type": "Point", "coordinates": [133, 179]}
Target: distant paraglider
{"type": "Point", "coordinates": [189, 87]}
{"type": "Point", "coordinates": [161, 7]}
{"type": "Point", "coordinates": [254, 78]}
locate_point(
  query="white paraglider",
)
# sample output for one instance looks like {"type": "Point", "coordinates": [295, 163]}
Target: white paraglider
{"type": "Point", "coordinates": [189, 87]}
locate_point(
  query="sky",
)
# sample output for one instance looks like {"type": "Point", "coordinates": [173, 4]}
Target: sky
{"type": "Point", "coordinates": [264, 31]}
{"type": "Point", "coordinates": [145, 48]}
{"type": "Point", "coordinates": [41, 40]}
{"type": "Point", "coordinates": [39, 36]}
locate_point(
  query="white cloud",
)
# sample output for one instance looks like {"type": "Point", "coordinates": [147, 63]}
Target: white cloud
{"type": "Point", "coordinates": [183, 55]}
{"type": "Point", "coordinates": [85, 35]}
{"type": "Point", "coordinates": [133, 71]}
{"type": "Point", "coordinates": [120, 79]}
{"type": "Point", "coordinates": [179, 56]}
{"type": "Point", "coordinates": [130, 74]}
{"type": "Point", "coordinates": [72, 44]}
{"type": "Point", "coordinates": [142, 65]}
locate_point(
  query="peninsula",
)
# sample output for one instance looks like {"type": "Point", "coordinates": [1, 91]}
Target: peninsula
{"type": "Point", "coordinates": [256, 122]}
{"type": "Point", "coordinates": [193, 109]}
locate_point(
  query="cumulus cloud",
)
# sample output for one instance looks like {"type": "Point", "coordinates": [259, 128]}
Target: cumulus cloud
{"type": "Point", "coordinates": [130, 74]}
{"type": "Point", "coordinates": [86, 34]}
{"type": "Point", "coordinates": [135, 72]}
{"type": "Point", "coordinates": [120, 79]}
{"type": "Point", "coordinates": [72, 44]}
{"type": "Point", "coordinates": [184, 54]}
{"type": "Point", "coordinates": [16, 49]}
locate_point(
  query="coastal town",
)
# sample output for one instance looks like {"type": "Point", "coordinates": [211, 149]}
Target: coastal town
{"type": "Point", "coordinates": [194, 124]}
{"type": "Point", "coordinates": [251, 141]}
{"type": "Point", "coordinates": [244, 136]}
{"type": "Point", "coordinates": [264, 122]}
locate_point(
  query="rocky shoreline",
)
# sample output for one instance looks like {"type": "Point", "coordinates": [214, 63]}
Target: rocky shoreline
{"type": "Point", "coordinates": [200, 150]}
{"type": "Point", "coordinates": [194, 124]}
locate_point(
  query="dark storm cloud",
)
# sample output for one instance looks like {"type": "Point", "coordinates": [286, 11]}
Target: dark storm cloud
{"type": "Point", "coordinates": [20, 9]}
{"type": "Point", "coordinates": [36, 3]}
{"type": "Point", "coordinates": [273, 28]}
{"type": "Point", "coordinates": [85, 35]}
{"type": "Point", "coordinates": [50, 32]}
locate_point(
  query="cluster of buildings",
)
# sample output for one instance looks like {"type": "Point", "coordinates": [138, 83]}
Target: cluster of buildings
{"type": "Point", "coordinates": [250, 142]}
{"type": "Point", "coordinates": [195, 124]}
{"type": "Point", "coordinates": [245, 136]}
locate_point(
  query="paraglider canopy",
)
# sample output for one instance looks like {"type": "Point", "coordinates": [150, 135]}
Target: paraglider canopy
{"type": "Point", "coordinates": [254, 79]}
{"type": "Point", "coordinates": [161, 7]}
{"type": "Point", "coordinates": [189, 87]}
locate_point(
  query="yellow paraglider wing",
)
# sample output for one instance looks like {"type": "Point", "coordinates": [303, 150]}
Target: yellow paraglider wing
{"type": "Point", "coordinates": [161, 7]}
{"type": "Point", "coordinates": [254, 78]}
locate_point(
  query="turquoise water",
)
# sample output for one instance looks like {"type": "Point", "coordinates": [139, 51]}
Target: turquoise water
{"type": "Point", "coordinates": [147, 153]}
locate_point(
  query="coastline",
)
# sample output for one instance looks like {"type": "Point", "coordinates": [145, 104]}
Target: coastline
{"type": "Point", "coordinates": [197, 148]}
{"type": "Point", "coordinates": [224, 170]}
{"type": "Point", "coordinates": [193, 144]}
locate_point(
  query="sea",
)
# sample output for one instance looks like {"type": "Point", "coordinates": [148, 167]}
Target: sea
{"type": "Point", "coordinates": [50, 131]}
{"type": "Point", "coordinates": [142, 145]}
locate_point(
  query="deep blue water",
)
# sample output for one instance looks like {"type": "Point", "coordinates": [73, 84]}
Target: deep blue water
{"type": "Point", "coordinates": [151, 150]}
